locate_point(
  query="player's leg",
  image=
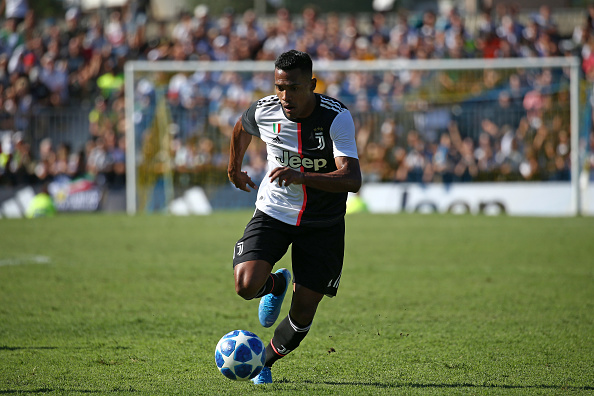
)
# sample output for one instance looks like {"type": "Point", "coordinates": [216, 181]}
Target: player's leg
{"type": "Point", "coordinates": [317, 264]}
{"type": "Point", "coordinates": [273, 294]}
{"type": "Point", "coordinates": [294, 327]}
{"type": "Point", "coordinates": [291, 330]}
{"type": "Point", "coordinates": [304, 304]}
{"type": "Point", "coordinates": [264, 242]}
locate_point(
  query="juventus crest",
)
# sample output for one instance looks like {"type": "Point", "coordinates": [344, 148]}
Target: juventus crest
{"type": "Point", "coordinates": [239, 250]}
{"type": "Point", "coordinates": [321, 142]}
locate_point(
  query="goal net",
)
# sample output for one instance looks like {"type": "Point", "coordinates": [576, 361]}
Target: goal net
{"type": "Point", "coordinates": [432, 122]}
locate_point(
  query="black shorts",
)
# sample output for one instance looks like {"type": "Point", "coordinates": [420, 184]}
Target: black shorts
{"type": "Point", "coordinates": [317, 253]}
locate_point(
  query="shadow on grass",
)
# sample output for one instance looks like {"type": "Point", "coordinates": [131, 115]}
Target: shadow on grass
{"type": "Point", "coordinates": [445, 386]}
{"type": "Point", "coordinates": [8, 348]}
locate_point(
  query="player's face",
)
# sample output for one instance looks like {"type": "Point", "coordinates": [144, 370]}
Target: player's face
{"type": "Point", "coordinates": [295, 91]}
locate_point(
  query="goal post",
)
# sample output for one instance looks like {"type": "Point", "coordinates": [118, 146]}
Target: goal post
{"type": "Point", "coordinates": [158, 77]}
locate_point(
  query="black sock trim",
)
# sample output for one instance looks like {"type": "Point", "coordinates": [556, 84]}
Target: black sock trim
{"type": "Point", "coordinates": [299, 328]}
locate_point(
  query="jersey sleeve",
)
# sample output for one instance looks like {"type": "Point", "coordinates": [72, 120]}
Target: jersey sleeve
{"type": "Point", "coordinates": [248, 119]}
{"type": "Point", "coordinates": [342, 133]}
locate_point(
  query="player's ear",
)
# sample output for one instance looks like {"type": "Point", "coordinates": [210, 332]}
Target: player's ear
{"type": "Point", "coordinates": [313, 84]}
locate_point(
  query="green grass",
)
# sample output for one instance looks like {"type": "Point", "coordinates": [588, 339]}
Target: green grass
{"type": "Point", "coordinates": [428, 304]}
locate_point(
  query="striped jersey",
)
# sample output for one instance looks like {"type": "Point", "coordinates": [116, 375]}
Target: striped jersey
{"type": "Point", "coordinates": [307, 145]}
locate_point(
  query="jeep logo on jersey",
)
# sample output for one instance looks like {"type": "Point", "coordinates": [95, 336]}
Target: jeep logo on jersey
{"type": "Point", "coordinates": [296, 162]}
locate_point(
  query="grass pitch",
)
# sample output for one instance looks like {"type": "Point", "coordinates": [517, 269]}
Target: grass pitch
{"type": "Point", "coordinates": [428, 304]}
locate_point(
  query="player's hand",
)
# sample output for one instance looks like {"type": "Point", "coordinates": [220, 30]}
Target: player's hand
{"type": "Point", "coordinates": [286, 175]}
{"type": "Point", "coordinates": [241, 180]}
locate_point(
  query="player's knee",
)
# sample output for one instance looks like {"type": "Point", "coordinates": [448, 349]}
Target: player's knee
{"type": "Point", "coordinates": [250, 277]}
{"type": "Point", "coordinates": [245, 289]}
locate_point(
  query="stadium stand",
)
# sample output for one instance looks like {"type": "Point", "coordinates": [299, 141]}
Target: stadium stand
{"type": "Point", "coordinates": [62, 104]}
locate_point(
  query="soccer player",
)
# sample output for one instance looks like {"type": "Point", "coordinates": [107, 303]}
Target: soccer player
{"type": "Point", "coordinates": [312, 165]}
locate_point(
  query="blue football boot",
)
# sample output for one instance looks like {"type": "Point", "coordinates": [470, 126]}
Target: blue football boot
{"type": "Point", "coordinates": [265, 377]}
{"type": "Point", "coordinates": [270, 305]}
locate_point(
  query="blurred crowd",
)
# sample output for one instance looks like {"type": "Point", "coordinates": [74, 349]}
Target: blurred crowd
{"type": "Point", "coordinates": [411, 125]}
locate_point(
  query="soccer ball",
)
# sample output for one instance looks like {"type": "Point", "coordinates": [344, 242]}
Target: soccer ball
{"type": "Point", "coordinates": [240, 355]}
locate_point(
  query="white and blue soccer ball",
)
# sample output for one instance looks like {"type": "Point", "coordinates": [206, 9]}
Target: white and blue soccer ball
{"type": "Point", "coordinates": [240, 355]}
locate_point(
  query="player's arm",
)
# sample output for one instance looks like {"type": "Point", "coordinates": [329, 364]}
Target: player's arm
{"type": "Point", "coordinates": [239, 143]}
{"type": "Point", "coordinates": [346, 178]}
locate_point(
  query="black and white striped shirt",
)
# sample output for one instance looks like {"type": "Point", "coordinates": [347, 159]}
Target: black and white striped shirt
{"type": "Point", "coordinates": [308, 145]}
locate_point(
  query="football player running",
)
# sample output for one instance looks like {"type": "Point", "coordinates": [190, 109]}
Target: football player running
{"type": "Point", "coordinates": [312, 165]}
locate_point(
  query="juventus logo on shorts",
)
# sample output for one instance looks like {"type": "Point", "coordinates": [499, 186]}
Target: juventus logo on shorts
{"type": "Point", "coordinates": [239, 250]}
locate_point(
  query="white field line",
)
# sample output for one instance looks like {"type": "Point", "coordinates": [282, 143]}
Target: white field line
{"type": "Point", "coordinates": [25, 260]}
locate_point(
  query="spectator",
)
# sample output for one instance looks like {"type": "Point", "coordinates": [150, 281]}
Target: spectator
{"type": "Point", "coordinates": [47, 159]}
{"type": "Point", "coordinates": [546, 21]}
{"type": "Point", "coordinates": [111, 79]}
{"type": "Point", "coordinates": [100, 118]}
{"type": "Point", "coordinates": [509, 159]}
{"type": "Point", "coordinates": [39, 91]}
{"type": "Point", "coordinates": [97, 160]}
{"type": "Point", "coordinates": [74, 57]}
{"type": "Point", "coordinates": [73, 28]}
{"type": "Point", "coordinates": [94, 38]}
{"type": "Point", "coordinates": [485, 158]}
{"type": "Point", "coordinates": [61, 165]}
{"type": "Point", "coordinates": [466, 169]}
{"type": "Point", "coordinates": [443, 160]}
{"type": "Point", "coordinates": [42, 204]}
{"type": "Point", "coordinates": [506, 112]}
{"type": "Point", "coordinates": [15, 10]}
{"type": "Point", "coordinates": [53, 75]}
{"type": "Point", "coordinates": [117, 153]}
{"type": "Point", "coordinates": [10, 37]}
{"type": "Point", "coordinates": [183, 30]}
{"type": "Point", "coordinates": [412, 169]}
{"type": "Point", "coordinates": [115, 33]}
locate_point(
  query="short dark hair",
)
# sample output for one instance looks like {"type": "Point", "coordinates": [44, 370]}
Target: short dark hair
{"type": "Point", "coordinates": [294, 59]}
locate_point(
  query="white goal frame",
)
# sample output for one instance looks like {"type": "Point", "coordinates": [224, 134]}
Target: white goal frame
{"type": "Point", "coordinates": [572, 63]}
